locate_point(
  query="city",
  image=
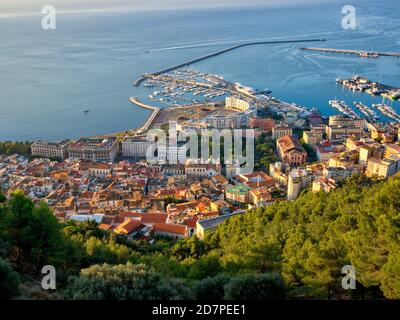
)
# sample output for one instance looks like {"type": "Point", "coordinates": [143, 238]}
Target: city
{"type": "Point", "coordinates": [262, 169]}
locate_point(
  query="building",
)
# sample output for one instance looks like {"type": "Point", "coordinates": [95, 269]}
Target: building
{"type": "Point", "coordinates": [202, 170]}
{"type": "Point", "coordinates": [312, 137]}
{"type": "Point", "coordinates": [281, 131]}
{"type": "Point", "coordinates": [326, 185]}
{"type": "Point", "coordinates": [383, 168]}
{"type": "Point", "coordinates": [340, 133]}
{"type": "Point", "coordinates": [298, 180]}
{"type": "Point", "coordinates": [375, 150]}
{"type": "Point", "coordinates": [172, 154]}
{"type": "Point", "coordinates": [291, 151]}
{"type": "Point", "coordinates": [135, 147]}
{"type": "Point", "coordinates": [254, 180]}
{"type": "Point", "coordinates": [265, 125]}
{"type": "Point", "coordinates": [237, 194]}
{"type": "Point", "coordinates": [56, 150]}
{"type": "Point", "coordinates": [211, 224]}
{"type": "Point", "coordinates": [290, 118]}
{"type": "Point", "coordinates": [233, 103]}
{"type": "Point", "coordinates": [99, 170]}
{"type": "Point", "coordinates": [345, 121]}
{"type": "Point", "coordinates": [232, 119]}
{"type": "Point", "coordinates": [391, 150]}
{"type": "Point", "coordinates": [95, 149]}
{"type": "Point", "coordinates": [276, 172]}
{"type": "Point", "coordinates": [170, 230]}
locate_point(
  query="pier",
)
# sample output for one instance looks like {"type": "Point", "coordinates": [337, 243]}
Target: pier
{"type": "Point", "coordinates": [217, 53]}
{"type": "Point", "coordinates": [360, 53]}
{"type": "Point", "coordinates": [152, 117]}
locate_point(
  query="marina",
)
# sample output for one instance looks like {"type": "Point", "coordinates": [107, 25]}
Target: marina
{"type": "Point", "coordinates": [387, 111]}
{"type": "Point", "coordinates": [367, 111]}
{"type": "Point", "coordinates": [363, 84]}
{"type": "Point", "coordinates": [217, 53]}
{"type": "Point", "coordinates": [343, 108]}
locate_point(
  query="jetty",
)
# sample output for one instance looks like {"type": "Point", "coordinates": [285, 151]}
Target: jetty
{"type": "Point", "coordinates": [153, 116]}
{"type": "Point", "coordinates": [360, 53]}
{"type": "Point", "coordinates": [217, 53]}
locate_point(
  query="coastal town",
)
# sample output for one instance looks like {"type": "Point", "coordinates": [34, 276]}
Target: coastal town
{"type": "Point", "coordinates": [108, 179]}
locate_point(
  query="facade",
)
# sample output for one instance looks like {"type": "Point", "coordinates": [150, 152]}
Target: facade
{"type": "Point", "coordinates": [291, 151]}
{"type": "Point", "coordinates": [312, 137]}
{"type": "Point", "coordinates": [281, 131]}
{"type": "Point", "coordinates": [298, 180]}
{"type": "Point", "coordinates": [383, 168]}
{"type": "Point", "coordinates": [135, 147]}
{"type": "Point", "coordinates": [233, 103]}
{"type": "Point", "coordinates": [56, 150]}
{"type": "Point", "coordinates": [345, 121]}
{"type": "Point", "coordinates": [326, 185]}
{"type": "Point", "coordinates": [263, 124]}
{"type": "Point", "coordinates": [391, 150]}
{"type": "Point", "coordinates": [172, 154]}
{"type": "Point", "coordinates": [95, 149]}
{"type": "Point", "coordinates": [337, 133]}
{"type": "Point", "coordinates": [202, 170]}
{"type": "Point", "coordinates": [233, 120]}
{"type": "Point", "coordinates": [237, 194]}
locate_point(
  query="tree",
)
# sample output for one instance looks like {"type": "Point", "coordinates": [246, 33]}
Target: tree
{"type": "Point", "coordinates": [2, 198]}
{"type": "Point", "coordinates": [206, 266]}
{"type": "Point", "coordinates": [129, 281]}
{"type": "Point", "coordinates": [255, 287]}
{"type": "Point", "coordinates": [33, 232]}
{"type": "Point", "coordinates": [210, 288]}
{"type": "Point", "coordinates": [9, 283]}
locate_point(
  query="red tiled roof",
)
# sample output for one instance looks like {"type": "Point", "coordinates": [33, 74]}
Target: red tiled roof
{"type": "Point", "coordinates": [170, 228]}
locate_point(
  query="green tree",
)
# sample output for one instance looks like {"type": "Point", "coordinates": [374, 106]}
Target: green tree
{"type": "Point", "coordinates": [255, 287]}
{"type": "Point", "coordinates": [10, 282]}
{"type": "Point", "coordinates": [210, 288]}
{"type": "Point", "coordinates": [129, 281]}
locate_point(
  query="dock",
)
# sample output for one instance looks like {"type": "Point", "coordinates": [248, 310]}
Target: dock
{"type": "Point", "coordinates": [217, 53]}
{"type": "Point", "coordinates": [360, 53]}
{"type": "Point", "coordinates": [153, 116]}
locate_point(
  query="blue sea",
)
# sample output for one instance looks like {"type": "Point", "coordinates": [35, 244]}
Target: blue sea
{"type": "Point", "coordinates": [48, 77]}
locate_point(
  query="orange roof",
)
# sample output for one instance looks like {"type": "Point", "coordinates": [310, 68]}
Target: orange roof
{"type": "Point", "coordinates": [289, 143]}
{"type": "Point", "coordinates": [170, 228]}
{"type": "Point", "coordinates": [148, 218]}
{"type": "Point", "coordinates": [104, 226]}
{"type": "Point", "coordinates": [128, 226]}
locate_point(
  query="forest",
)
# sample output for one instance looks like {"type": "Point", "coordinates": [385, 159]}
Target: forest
{"type": "Point", "coordinates": [288, 250]}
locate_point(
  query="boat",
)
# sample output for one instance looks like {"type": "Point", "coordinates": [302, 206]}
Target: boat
{"type": "Point", "coordinates": [86, 110]}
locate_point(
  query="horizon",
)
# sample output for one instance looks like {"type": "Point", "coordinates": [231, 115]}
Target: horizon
{"type": "Point", "coordinates": [10, 9]}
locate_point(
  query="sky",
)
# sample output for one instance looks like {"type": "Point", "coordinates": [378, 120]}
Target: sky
{"type": "Point", "coordinates": [34, 6]}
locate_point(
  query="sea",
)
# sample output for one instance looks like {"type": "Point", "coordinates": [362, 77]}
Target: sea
{"type": "Point", "coordinates": [47, 78]}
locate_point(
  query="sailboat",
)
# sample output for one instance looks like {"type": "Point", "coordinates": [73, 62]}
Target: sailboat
{"type": "Point", "coordinates": [86, 110]}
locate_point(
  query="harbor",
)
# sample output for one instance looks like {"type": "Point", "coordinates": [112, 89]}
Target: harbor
{"type": "Point", "coordinates": [363, 84]}
{"type": "Point", "coordinates": [217, 53]}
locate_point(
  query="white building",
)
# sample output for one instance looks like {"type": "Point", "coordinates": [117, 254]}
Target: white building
{"type": "Point", "coordinates": [298, 180]}
{"type": "Point", "coordinates": [135, 147]}
{"type": "Point", "coordinates": [57, 150]}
